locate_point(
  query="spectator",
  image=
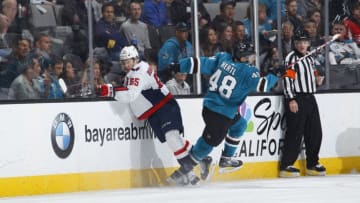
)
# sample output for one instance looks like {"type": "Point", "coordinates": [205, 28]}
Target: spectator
{"type": "Point", "coordinates": [77, 43]}
{"type": "Point", "coordinates": [342, 51]}
{"type": "Point", "coordinates": [21, 20]}
{"type": "Point", "coordinates": [173, 50]}
{"type": "Point", "coordinates": [14, 63]}
{"type": "Point", "coordinates": [75, 13]}
{"type": "Point", "coordinates": [312, 30]}
{"type": "Point", "coordinates": [307, 5]}
{"type": "Point", "coordinates": [209, 46]}
{"type": "Point", "coordinates": [315, 41]}
{"type": "Point", "coordinates": [107, 33]}
{"type": "Point", "coordinates": [209, 43]}
{"type": "Point", "coordinates": [7, 16]}
{"type": "Point", "coordinates": [225, 34]}
{"type": "Point", "coordinates": [42, 47]}
{"type": "Point", "coordinates": [178, 85]}
{"type": "Point", "coordinates": [352, 23]}
{"type": "Point", "coordinates": [271, 8]}
{"type": "Point", "coordinates": [54, 72]}
{"type": "Point", "coordinates": [227, 13]}
{"type": "Point", "coordinates": [26, 85]}
{"type": "Point", "coordinates": [155, 13]}
{"type": "Point", "coordinates": [135, 31]}
{"type": "Point", "coordinates": [270, 63]}
{"type": "Point", "coordinates": [336, 7]}
{"type": "Point", "coordinates": [266, 35]}
{"type": "Point", "coordinates": [291, 14]}
{"type": "Point", "coordinates": [71, 79]}
{"type": "Point", "coordinates": [315, 15]}
{"type": "Point", "coordinates": [287, 41]}
{"type": "Point", "coordinates": [180, 11]}
{"type": "Point", "coordinates": [85, 78]}
{"type": "Point", "coordinates": [239, 33]}
{"type": "Point", "coordinates": [120, 11]}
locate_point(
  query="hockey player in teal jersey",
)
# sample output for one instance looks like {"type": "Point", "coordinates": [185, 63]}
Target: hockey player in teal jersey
{"type": "Point", "coordinates": [232, 79]}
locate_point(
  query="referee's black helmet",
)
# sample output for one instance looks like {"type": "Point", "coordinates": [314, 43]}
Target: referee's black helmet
{"type": "Point", "coordinates": [301, 34]}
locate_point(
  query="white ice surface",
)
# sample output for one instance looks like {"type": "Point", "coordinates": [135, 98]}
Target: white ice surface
{"type": "Point", "coordinates": [328, 189]}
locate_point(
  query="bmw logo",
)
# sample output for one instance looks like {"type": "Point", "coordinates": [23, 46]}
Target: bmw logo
{"type": "Point", "coordinates": [62, 135]}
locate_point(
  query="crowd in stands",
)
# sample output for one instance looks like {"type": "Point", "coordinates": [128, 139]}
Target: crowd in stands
{"type": "Point", "coordinates": [33, 58]}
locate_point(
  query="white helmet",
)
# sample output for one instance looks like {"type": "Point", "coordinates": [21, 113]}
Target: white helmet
{"type": "Point", "coordinates": [129, 52]}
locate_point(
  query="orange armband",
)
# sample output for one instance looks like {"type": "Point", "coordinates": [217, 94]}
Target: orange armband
{"type": "Point", "coordinates": [290, 73]}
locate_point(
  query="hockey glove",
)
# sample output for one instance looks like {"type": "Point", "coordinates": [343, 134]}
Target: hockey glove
{"type": "Point", "coordinates": [174, 67]}
{"type": "Point", "coordinates": [105, 90]}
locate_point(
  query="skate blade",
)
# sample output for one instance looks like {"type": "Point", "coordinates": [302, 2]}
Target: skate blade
{"type": "Point", "coordinates": [171, 183]}
{"type": "Point", "coordinates": [211, 172]}
{"type": "Point", "coordinates": [228, 170]}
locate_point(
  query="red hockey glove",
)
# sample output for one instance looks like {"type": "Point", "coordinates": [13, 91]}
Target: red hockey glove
{"type": "Point", "coordinates": [105, 90]}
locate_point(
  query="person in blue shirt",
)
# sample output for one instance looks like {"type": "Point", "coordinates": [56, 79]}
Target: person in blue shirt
{"type": "Point", "coordinates": [173, 50]}
{"type": "Point", "coordinates": [55, 70]}
{"type": "Point", "coordinates": [107, 32]}
{"type": "Point", "coordinates": [271, 8]}
{"type": "Point", "coordinates": [154, 13]}
{"type": "Point", "coordinates": [265, 30]}
{"type": "Point", "coordinates": [232, 79]}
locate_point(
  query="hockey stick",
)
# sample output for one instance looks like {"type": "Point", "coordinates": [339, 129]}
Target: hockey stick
{"type": "Point", "coordinates": [63, 86]}
{"type": "Point", "coordinates": [335, 37]}
{"type": "Point", "coordinates": [65, 89]}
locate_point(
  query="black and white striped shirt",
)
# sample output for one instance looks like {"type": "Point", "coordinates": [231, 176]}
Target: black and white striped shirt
{"type": "Point", "coordinates": [304, 81]}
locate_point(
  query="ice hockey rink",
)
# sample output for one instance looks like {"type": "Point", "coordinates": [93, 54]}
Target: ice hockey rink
{"type": "Point", "coordinates": [329, 189]}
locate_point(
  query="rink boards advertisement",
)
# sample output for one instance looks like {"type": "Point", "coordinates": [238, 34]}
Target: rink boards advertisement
{"type": "Point", "coordinates": [79, 146]}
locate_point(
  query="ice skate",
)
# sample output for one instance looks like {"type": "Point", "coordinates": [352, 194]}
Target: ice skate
{"type": "Point", "coordinates": [206, 168]}
{"type": "Point", "coordinates": [192, 178]}
{"type": "Point", "coordinates": [229, 164]}
{"type": "Point", "coordinates": [179, 179]}
{"type": "Point", "coordinates": [318, 170]}
{"type": "Point", "coordinates": [289, 172]}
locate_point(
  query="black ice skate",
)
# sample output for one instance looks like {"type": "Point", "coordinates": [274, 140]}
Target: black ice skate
{"type": "Point", "coordinates": [180, 179]}
{"type": "Point", "coordinates": [318, 170]}
{"type": "Point", "coordinates": [289, 172]}
{"type": "Point", "coordinates": [205, 166]}
{"type": "Point", "coordinates": [229, 164]}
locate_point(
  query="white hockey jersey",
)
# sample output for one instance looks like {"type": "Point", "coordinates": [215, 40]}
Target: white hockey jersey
{"type": "Point", "coordinates": [344, 53]}
{"type": "Point", "coordinates": [143, 90]}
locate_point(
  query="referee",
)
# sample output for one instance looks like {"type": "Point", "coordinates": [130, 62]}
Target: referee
{"type": "Point", "coordinates": [301, 111]}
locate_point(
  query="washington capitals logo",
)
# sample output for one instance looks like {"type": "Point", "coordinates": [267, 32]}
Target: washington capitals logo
{"type": "Point", "coordinates": [62, 135]}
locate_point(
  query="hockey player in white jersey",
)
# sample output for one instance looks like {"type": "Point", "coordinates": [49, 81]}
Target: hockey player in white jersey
{"type": "Point", "coordinates": [150, 100]}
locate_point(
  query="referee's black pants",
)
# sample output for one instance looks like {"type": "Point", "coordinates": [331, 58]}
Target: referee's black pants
{"type": "Point", "coordinates": [306, 122]}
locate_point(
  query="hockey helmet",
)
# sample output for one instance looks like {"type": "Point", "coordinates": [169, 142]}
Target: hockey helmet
{"type": "Point", "coordinates": [243, 50]}
{"type": "Point", "coordinates": [301, 34]}
{"type": "Point", "coordinates": [129, 52]}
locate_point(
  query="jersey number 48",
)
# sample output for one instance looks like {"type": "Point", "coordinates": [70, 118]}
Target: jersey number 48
{"type": "Point", "coordinates": [225, 86]}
